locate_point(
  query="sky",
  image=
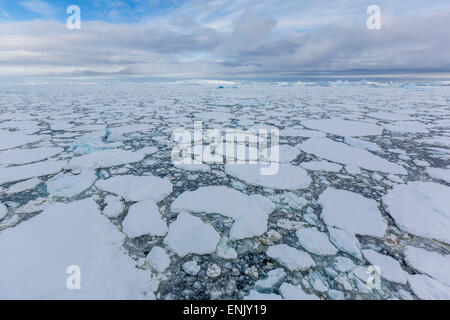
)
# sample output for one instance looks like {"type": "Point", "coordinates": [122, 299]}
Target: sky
{"type": "Point", "coordinates": [223, 39]}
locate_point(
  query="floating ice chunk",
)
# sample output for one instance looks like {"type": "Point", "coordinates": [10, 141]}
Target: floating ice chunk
{"type": "Point", "coordinates": [345, 128]}
{"type": "Point", "coordinates": [345, 241]}
{"type": "Point", "coordinates": [9, 139]}
{"type": "Point", "coordinates": [293, 200]}
{"type": "Point", "coordinates": [23, 156]}
{"type": "Point", "coordinates": [321, 165]}
{"type": "Point", "coordinates": [191, 267]}
{"type": "Point", "coordinates": [432, 263]}
{"type": "Point", "coordinates": [92, 142]}
{"type": "Point", "coordinates": [189, 234]}
{"type": "Point", "coordinates": [17, 173]}
{"type": "Point", "coordinates": [298, 132]}
{"type": "Point", "coordinates": [362, 144]}
{"type": "Point", "coordinates": [291, 292]}
{"type": "Point", "coordinates": [64, 235]}
{"type": "Point", "coordinates": [69, 185]}
{"type": "Point", "coordinates": [255, 295]}
{"type": "Point", "coordinates": [286, 153]}
{"type": "Point", "coordinates": [225, 251]}
{"type": "Point", "coordinates": [202, 167]}
{"type": "Point", "coordinates": [274, 278]}
{"type": "Point", "coordinates": [291, 258]}
{"type": "Point", "coordinates": [249, 212]}
{"type": "Point", "coordinates": [114, 207]}
{"type": "Point", "coordinates": [144, 218]}
{"type": "Point", "coordinates": [134, 188]}
{"type": "Point", "coordinates": [8, 223]}
{"type": "Point", "coordinates": [427, 288]}
{"type": "Point", "coordinates": [343, 264]}
{"type": "Point", "coordinates": [345, 154]}
{"type": "Point", "coordinates": [288, 177]}
{"type": "Point", "coordinates": [407, 127]}
{"type": "Point", "coordinates": [3, 211]}
{"type": "Point", "coordinates": [389, 267]}
{"type": "Point", "coordinates": [23, 186]}
{"type": "Point", "coordinates": [315, 242]}
{"type": "Point", "coordinates": [107, 158]}
{"type": "Point", "coordinates": [421, 208]}
{"type": "Point", "coordinates": [158, 259]}
{"type": "Point", "coordinates": [352, 212]}
{"type": "Point", "coordinates": [390, 116]}
{"type": "Point", "coordinates": [440, 174]}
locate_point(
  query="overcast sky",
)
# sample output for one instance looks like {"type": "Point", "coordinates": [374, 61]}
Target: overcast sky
{"type": "Point", "coordinates": [223, 38]}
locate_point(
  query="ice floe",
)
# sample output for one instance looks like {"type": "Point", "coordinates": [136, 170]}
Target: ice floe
{"type": "Point", "coordinates": [291, 258]}
{"type": "Point", "coordinates": [352, 212]}
{"type": "Point", "coordinates": [158, 259]}
{"type": "Point", "coordinates": [389, 267]}
{"type": "Point", "coordinates": [421, 208]}
{"type": "Point", "coordinates": [315, 242]}
{"type": "Point", "coordinates": [291, 292]}
{"type": "Point", "coordinates": [18, 173]}
{"type": "Point", "coordinates": [143, 218]}
{"type": "Point", "coordinates": [250, 213]}
{"type": "Point", "coordinates": [69, 185]}
{"type": "Point", "coordinates": [137, 188]}
{"type": "Point", "coordinates": [24, 156]}
{"type": "Point", "coordinates": [189, 234]}
{"type": "Point", "coordinates": [345, 128]}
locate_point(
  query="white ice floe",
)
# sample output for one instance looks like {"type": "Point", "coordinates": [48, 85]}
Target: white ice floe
{"type": "Point", "coordinates": [390, 116]}
{"type": "Point", "coordinates": [92, 142]}
{"type": "Point", "coordinates": [315, 242]}
{"type": "Point", "coordinates": [291, 258]}
{"type": "Point", "coordinates": [137, 188]}
{"type": "Point", "coordinates": [143, 218]}
{"type": "Point", "coordinates": [288, 177]}
{"type": "Point", "coordinates": [291, 292]}
{"type": "Point", "coordinates": [431, 263]}
{"type": "Point", "coordinates": [286, 153]}
{"type": "Point", "coordinates": [3, 211]}
{"type": "Point", "coordinates": [389, 267]}
{"type": "Point", "coordinates": [23, 186]}
{"type": "Point", "coordinates": [69, 185]}
{"type": "Point", "coordinates": [440, 174]}
{"type": "Point", "coordinates": [194, 166]}
{"type": "Point", "coordinates": [299, 132]}
{"type": "Point", "coordinates": [427, 288]}
{"type": "Point", "coordinates": [9, 139]}
{"type": "Point", "coordinates": [362, 144]}
{"type": "Point", "coordinates": [191, 268]}
{"type": "Point", "coordinates": [345, 241]}
{"type": "Point", "coordinates": [345, 154]}
{"type": "Point", "coordinates": [407, 127]}
{"type": "Point", "coordinates": [24, 156]}
{"type": "Point", "coordinates": [189, 234]}
{"type": "Point", "coordinates": [343, 264]}
{"type": "Point", "coordinates": [421, 208]}
{"type": "Point", "coordinates": [158, 259]}
{"type": "Point", "coordinates": [114, 207]}
{"type": "Point", "coordinates": [225, 250]}
{"type": "Point", "coordinates": [345, 128]}
{"type": "Point", "coordinates": [274, 278]}
{"type": "Point", "coordinates": [250, 213]}
{"type": "Point", "coordinates": [17, 173]}
{"type": "Point", "coordinates": [107, 158]}
{"type": "Point", "coordinates": [62, 236]}
{"type": "Point", "coordinates": [352, 212]}
{"type": "Point", "coordinates": [255, 295]}
{"type": "Point", "coordinates": [321, 165]}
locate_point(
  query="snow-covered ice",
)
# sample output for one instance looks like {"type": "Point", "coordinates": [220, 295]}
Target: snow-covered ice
{"type": "Point", "coordinates": [291, 258]}
{"type": "Point", "coordinates": [315, 242]}
{"type": "Point", "coordinates": [143, 218]}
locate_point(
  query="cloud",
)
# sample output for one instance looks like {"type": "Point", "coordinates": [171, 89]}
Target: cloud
{"type": "Point", "coordinates": [195, 41]}
{"type": "Point", "coordinates": [37, 6]}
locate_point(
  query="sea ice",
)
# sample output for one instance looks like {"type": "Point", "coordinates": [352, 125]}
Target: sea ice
{"type": "Point", "coordinates": [291, 258]}
{"type": "Point", "coordinates": [158, 259]}
{"type": "Point", "coordinates": [137, 188]}
{"type": "Point", "coordinates": [250, 213]}
{"type": "Point", "coordinates": [291, 292]}
{"type": "Point", "coordinates": [255, 295]}
{"type": "Point", "coordinates": [9, 139]}
{"type": "Point", "coordinates": [189, 234]}
{"type": "Point", "coordinates": [321, 165]}
{"type": "Point", "coordinates": [17, 173]}
{"type": "Point", "coordinates": [288, 177]}
{"type": "Point", "coordinates": [346, 241]}
{"type": "Point", "coordinates": [390, 268]}
{"type": "Point", "coordinates": [144, 218]}
{"type": "Point", "coordinates": [315, 242]}
{"type": "Point", "coordinates": [352, 212]}
{"type": "Point", "coordinates": [69, 185]}
{"type": "Point", "coordinates": [24, 156]}
{"type": "Point", "coordinates": [438, 173]}
{"type": "Point", "coordinates": [431, 263]}
{"type": "Point", "coordinates": [3, 211]}
{"type": "Point", "coordinates": [114, 207]}
{"type": "Point", "coordinates": [345, 154]}
{"type": "Point", "coordinates": [427, 288]}
{"type": "Point", "coordinates": [61, 236]}
{"type": "Point", "coordinates": [345, 128]}
{"type": "Point", "coordinates": [274, 278]}
{"type": "Point", "coordinates": [421, 208]}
